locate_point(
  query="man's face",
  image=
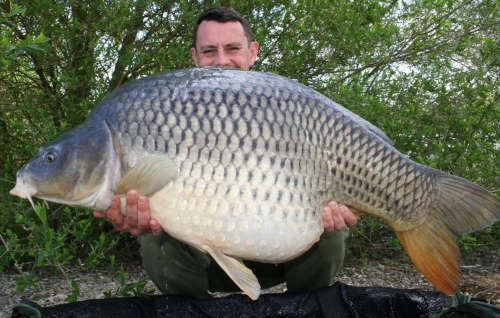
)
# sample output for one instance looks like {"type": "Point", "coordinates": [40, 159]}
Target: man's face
{"type": "Point", "coordinates": [223, 44]}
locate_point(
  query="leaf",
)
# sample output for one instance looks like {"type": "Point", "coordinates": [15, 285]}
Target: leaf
{"type": "Point", "coordinates": [41, 212]}
{"type": "Point", "coordinates": [34, 47]}
{"type": "Point", "coordinates": [41, 39]}
{"type": "Point", "coordinates": [75, 292]}
{"type": "Point", "coordinates": [17, 10]}
{"type": "Point", "coordinates": [40, 259]}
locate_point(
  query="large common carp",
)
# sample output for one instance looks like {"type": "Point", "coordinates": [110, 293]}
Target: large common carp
{"type": "Point", "coordinates": [240, 164]}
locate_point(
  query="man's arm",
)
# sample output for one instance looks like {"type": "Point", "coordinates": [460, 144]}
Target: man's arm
{"type": "Point", "coordinates": [138, 219]}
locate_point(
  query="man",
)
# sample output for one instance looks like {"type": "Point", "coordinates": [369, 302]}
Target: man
{"type": "Point", "coordinates": [223, 37]}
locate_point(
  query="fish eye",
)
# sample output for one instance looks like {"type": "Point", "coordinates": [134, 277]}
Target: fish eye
{"type": "Point", "coordinates": [50, 156]}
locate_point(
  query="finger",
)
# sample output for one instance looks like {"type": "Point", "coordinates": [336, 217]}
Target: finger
{"type": "Point", "coordinates": [114, 214]}
{"type": "Point", "coordinates": [338, 218]}
{"type": "Point", "coordinates": [100, 215]}
{"type": "Point", "coordinates": [114, 209]}
{"type": "Point", "coordinates": [115, 203]}
{"type": "Point", "coordinates": [155, 227]}
{"type": "Point", "coordinates": [327, 217]}
{"type": "Point", "coordinates": [143, 214]}
{"type": "Point", "coordinates": [131, 208]}
{"type": "Point", "coordinates": [348, 216]}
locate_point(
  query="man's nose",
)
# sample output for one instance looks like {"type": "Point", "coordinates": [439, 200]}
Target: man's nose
{"type": "Point", "coordinates": [222, 59]}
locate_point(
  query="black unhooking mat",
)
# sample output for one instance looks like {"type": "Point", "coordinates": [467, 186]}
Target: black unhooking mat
{"type": "Point", "coordinates": [338, 300]}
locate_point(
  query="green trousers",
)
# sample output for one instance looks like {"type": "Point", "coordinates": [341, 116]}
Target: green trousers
{"type": "Point", "coordinates": [177, 268]}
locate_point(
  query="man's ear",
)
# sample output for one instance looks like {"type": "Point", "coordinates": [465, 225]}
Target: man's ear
{"type": "Point", "coordinates": [254, 50]}
{"type": "Point", "coordinates": [195, 56]}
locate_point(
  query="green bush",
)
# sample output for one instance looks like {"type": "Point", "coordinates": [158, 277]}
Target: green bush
{"type": "Point", "coordinates": [54, 237]}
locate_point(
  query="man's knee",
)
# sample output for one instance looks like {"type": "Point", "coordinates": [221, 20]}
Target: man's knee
{"type": "Point", "coordinates": [174, 267]}
{"type": "Point", "coordinates": [318, 266]}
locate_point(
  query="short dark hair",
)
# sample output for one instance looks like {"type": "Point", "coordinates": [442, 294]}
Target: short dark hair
{"type": "Point", "coordinates": [223, 14]}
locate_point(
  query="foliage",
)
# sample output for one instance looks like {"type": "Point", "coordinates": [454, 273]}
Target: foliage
{"type": "Point", "coordinates": [128, 289]}
{"type": "Point", "coordinates": [55, 237]}
{"type": "Point", "coordinates": [426, 72]}
{"type": "Point", "coordinates": [9, 49]}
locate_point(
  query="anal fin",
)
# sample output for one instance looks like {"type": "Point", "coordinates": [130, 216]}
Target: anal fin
{"type": "Point", "coordinates": [237, 271]}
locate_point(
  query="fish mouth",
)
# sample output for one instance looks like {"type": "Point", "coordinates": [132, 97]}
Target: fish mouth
{"type": "Point", "coordinates": [24, 190]}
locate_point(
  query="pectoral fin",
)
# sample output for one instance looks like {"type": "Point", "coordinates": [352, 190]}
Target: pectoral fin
{"type": "Point", "coordinates": [237, 271]}
{"type": "Point", "coordinates": [150, 175]}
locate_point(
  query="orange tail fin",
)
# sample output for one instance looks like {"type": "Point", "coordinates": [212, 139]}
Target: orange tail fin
{"type": "Point", "coordinates": [462, 207]}
{"type": "Point", "coordinates": [433, 250]}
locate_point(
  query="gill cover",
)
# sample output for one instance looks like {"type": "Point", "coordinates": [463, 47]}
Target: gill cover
{"type": "Point", "coordinates": [79, 168]}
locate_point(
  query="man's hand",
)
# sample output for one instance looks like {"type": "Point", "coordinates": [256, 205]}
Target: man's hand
{"type": "Point", "coordinates": [335, 217]}
{"type": "Point", "coordinates": [138, 218]}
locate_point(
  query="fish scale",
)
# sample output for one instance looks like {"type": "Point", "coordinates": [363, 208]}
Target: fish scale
{"type": "Point", "coordinates": [240, 165]}
{"type": "Point", "coordinates": [274, 146]}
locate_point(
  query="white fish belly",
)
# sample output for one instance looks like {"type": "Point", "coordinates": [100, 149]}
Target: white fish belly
{"type": "Point", "coordinates": [238, 227]}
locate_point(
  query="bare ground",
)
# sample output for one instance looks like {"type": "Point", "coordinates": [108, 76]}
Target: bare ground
{"type": "Point", "coordinates": [481, 278]}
